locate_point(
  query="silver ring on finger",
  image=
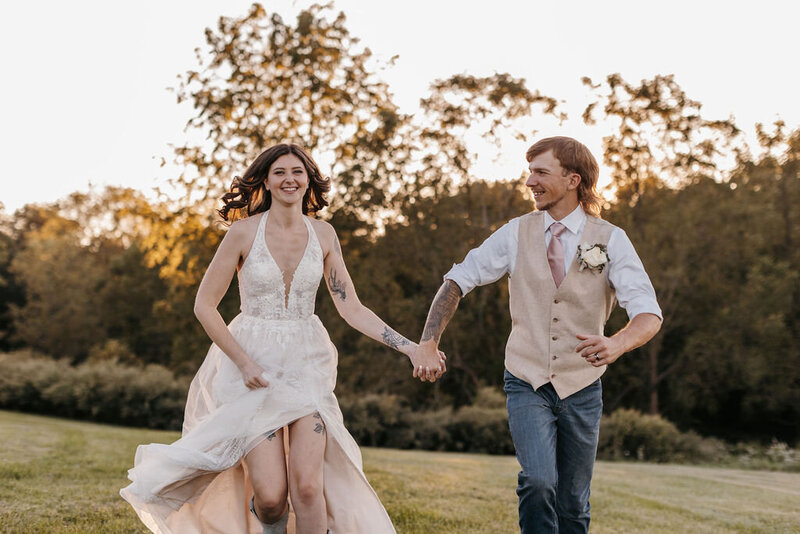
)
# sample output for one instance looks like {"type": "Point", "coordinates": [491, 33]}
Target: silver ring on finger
{"type": "Point", "coordinates": [597, 356]}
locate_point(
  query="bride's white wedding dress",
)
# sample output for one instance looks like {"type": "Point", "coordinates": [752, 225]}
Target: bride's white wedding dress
{"type": "Point", "coordinates": [199, 484]}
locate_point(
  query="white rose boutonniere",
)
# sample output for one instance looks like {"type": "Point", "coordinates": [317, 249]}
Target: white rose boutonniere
{"type": "Point", "coordinates": [592, 257]}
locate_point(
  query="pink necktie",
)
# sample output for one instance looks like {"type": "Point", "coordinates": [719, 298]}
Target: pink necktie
{"type": "Point", "coordinates": [555, 252]}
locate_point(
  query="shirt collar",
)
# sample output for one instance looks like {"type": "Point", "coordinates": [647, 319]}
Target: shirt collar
{"type": "Point", "coordinates": [573, 221]}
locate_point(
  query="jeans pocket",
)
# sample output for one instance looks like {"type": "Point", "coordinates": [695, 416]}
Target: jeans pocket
{"type": "Point", "coordinates": [512, 384]}
{"type": "Point", "coordinates": [597, 384]}
{"type": "Point", "coordinates": [509, 381]}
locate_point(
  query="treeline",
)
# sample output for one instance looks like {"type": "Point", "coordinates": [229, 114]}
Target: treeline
{"type": "Point", "coordinates": [111, 275]}
{"type": "Point", "coordinates": [727, 359]}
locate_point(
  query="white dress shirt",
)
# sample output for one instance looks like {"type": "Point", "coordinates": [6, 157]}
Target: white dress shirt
{"type": "Point", "coordinates": [498, 254]}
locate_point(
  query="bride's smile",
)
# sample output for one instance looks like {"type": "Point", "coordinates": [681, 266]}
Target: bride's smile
{"type": "Point", "coordinates": [287, 180]}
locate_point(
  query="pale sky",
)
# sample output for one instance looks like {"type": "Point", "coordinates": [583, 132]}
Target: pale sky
{"type": "Point", "coordinates": [84, 83]}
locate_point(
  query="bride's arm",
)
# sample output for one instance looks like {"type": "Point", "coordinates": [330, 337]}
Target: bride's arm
{"type": "Point", "coordinates": [346, 300]}
{"type": "Point", "coordinates": [215, 283]}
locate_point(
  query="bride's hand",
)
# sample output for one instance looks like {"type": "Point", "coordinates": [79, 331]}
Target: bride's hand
{"type": "Point", "coordinates": [254, 376]}
{"type": "Point", "coordinates": [428, 362]}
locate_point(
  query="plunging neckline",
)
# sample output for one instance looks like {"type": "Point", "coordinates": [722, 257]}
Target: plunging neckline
{"type": "Point", "coordinates": [287, 290]}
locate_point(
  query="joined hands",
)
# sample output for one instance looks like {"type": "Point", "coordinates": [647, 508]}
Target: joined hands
{"type": "Point", "coordinates": [428, 362]}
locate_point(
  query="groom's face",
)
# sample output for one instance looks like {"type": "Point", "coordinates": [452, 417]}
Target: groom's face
{"type": "Point", "coordinates": [550, 185]}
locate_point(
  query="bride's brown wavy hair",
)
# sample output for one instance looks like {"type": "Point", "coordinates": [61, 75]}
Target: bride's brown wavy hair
{"type": "Point", "coordinates": [248, 195]}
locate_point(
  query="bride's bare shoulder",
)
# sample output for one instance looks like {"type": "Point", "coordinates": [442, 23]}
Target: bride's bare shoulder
{"type": "Point", "coordinates": [244, 230]}
{"type": "Point", "coordinates": [325, 232]}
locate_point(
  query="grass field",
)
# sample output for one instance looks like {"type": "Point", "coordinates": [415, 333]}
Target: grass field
{"type": "Point", "coordinates": [59, 476]}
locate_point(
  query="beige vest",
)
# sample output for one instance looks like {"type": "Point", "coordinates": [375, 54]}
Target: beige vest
{"type": "Point", "coordinates": [545, 319]}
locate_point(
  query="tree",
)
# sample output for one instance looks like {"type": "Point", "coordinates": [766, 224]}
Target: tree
{"type": "Point", "coordinates": [662, 141]}
{"type": "Point", "coordinates": [462, 104]}
{"type": "Point", "coordinates": [661, 138]}
{"type": "Point", "coordinates": [750, 346]}
{"type": "Point", "coordinates": [266, 81]}
{"type": "Point", "coordinates": [11, 293]}
{"type": "Point", "coordinates": [129, 301]}
{"type": "Point", "coordinates": [61, 281]}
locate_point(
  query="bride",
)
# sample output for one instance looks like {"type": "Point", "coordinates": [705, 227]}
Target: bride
{"type": "Point", "coordinates": [270, 372]}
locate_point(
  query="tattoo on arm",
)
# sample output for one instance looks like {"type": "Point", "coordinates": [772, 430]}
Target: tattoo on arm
{"type": "Point", "coordinates": [337, 286]}
{"type": "Point", "coordinates": [392, 338]}
{"type": "Point", "coordinates": [442, 310]}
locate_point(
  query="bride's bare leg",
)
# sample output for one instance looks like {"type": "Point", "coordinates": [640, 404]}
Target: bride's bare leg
{"type": "Point", "coordinates": [266, 464]}
{"type": "Point", "coordinates": [306, 455]}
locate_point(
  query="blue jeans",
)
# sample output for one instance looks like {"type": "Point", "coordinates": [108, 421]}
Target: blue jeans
{"type": "Point", "coordinates": [556, 444]}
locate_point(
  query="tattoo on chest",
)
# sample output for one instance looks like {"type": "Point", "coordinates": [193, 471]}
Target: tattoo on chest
{"type": "Point", "coordinates": [392, 338]}
{"type": "Point", "coordinates": [338, 287]}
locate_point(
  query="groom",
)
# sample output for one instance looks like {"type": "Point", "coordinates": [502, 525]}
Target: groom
{"type": "Point", "coordinates": [567, 270]}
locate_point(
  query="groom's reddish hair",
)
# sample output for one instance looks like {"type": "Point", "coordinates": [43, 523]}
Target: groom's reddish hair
{"type": "Point", "coordinates": [574, 157]}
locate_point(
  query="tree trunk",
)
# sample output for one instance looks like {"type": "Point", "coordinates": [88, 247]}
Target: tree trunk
{"type": "Point", "coordinates": [652, 351]}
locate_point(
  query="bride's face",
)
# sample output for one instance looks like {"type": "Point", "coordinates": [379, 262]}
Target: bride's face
{"type": "Point", "coordinates": [287, 180]}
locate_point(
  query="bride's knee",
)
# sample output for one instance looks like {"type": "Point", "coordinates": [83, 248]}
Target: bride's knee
{"type": "Point", "coordinates": [270, 501]}
{"type": "Point", "coordinates": [306, 491]}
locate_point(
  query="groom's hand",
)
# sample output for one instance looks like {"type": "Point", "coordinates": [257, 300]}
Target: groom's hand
{"type": "Point", "coordinates": [600, 350]}
{"type": "Point", "coordinates": [428, 362]}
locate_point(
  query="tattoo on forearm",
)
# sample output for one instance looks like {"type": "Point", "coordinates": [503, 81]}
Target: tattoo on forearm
{"type": "Point", "coordinates": [393, 339]}
{"type": "Point", "coordinates": [444, 306]}
{"type": "Point", "coordinates": [338, 287]}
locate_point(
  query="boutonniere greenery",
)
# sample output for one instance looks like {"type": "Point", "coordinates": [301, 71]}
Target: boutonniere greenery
{"type": "Point", "coordinates": [592, 257]}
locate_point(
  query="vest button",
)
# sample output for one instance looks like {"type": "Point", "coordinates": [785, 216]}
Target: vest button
{"type": "Point", "coordinates": [556, 301]}
{"type": "Point", "coordinates": [553, 375]}
{"type": "Point", "coordinates": [555, 357]}
{"type": "Point", "coordinates": [555, 319]}
{"type": "Point", "coordinates": [555, 338]}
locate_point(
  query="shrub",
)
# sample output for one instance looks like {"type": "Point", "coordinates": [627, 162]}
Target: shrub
{"type": "Point", "coordinates": [430, 430]}
{"type": "Point", "coordinates": [378, 420]}
{"type": "Point", "coordinates": [23, 377]}
{"type": "Point", "coordinates": [387, 421]}
{"type": "Point", "coordinates": [776, 456]}
{"type": "Point", "coordinates": [629, 434]}
{"type": "Point", "coordinates": [479, 429]}
{"type": "Point", "coordinates": [780, 453]}
{"type": "Point", "coordinates": [113, 350]}
{"type": "Point", "coordinates": [100, 390]}
{"type": "Point", "coordinates": [490, 397]}
{"type": "Point", "coordinates": [106, 390]}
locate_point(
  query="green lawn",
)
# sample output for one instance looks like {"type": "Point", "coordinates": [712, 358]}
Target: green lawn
{"type": "Point", "coordinates": [59, 476]}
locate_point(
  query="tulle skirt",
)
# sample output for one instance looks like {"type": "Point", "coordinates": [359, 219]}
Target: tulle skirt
{"type": "Point", "coordinates": [199, 483]}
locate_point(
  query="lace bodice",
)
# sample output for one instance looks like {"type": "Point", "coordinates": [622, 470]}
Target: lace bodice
{"type": "Point", "coordinates": [261, 284]}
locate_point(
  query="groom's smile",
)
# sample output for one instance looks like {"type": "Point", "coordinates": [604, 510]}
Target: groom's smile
{"type": "Point", "coordinates": [550, 185]}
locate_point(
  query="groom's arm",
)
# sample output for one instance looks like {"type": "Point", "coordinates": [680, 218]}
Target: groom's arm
{"type": "Point", "coordinates": [444, 305]}
{"type": "Point", "coordinates": [482, 265]}
{"type": "Point", "coordinates": [636, 295]}
{"type": "Point", "coordinates": [442, 310]}
{"type": "Point", "coordinates": [602, 350]}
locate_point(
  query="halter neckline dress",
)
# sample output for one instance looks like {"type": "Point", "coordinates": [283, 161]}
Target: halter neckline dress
{"type": "Point", "coordinates": [199, 483]}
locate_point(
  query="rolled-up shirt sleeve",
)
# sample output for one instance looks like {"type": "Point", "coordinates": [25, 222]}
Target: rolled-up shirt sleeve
{"type": "Point", "coordinates": [487, 263]}
{"type": "Point", "coordinates": [627, 276]}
